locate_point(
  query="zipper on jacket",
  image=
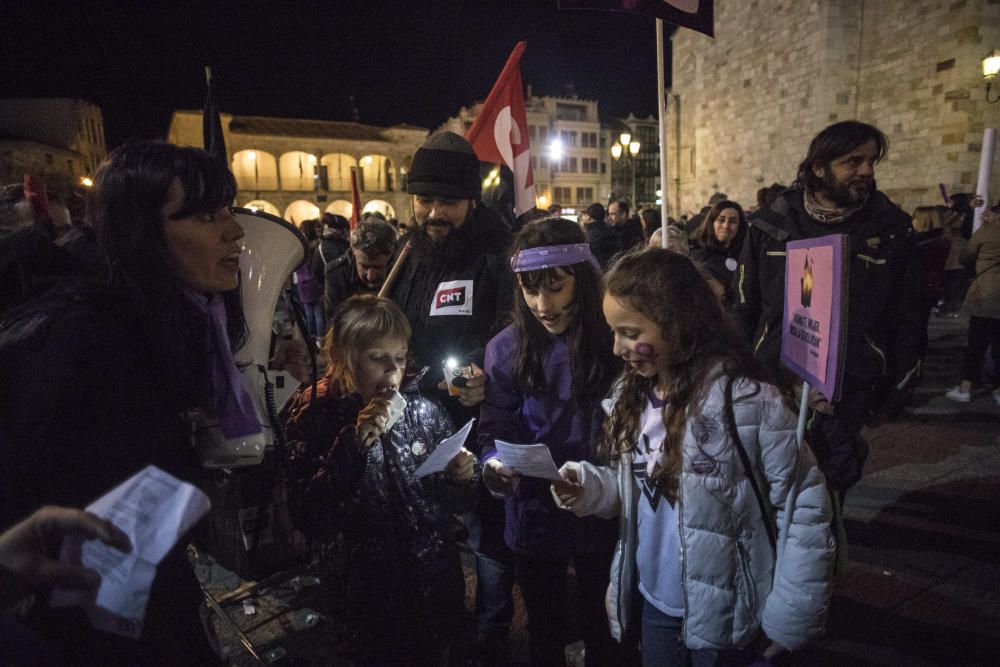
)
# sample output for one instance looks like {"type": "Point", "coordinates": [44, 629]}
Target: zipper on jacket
{"type": "Point", "coordinates": [870, 260]}
{"type": "Point", "coordinates": [744, 562]}
{"type": "Point", "coordinates": [906, 378]}
{"type": "Point", "coordinates": [761, 339]}
{"type": "Point", "coordinates": [743, 276]}
{"type": "Point", "coordinates": [680, 535]}
{"type": "Point", "coordinates": [879, 352]}
{"type": "Point", "coordinates": [623, 554]}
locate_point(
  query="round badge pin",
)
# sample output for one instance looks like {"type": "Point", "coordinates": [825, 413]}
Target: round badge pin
{"type": "Point", "coordinates": [731, 263]}
{"type": "Point", "coordinates": [418, 448]}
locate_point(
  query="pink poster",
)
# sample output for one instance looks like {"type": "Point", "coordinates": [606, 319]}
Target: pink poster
{"type": "Point", "coordinates": [815, 276]}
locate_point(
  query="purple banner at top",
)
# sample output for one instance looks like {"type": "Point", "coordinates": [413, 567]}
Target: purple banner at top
{"type": "Point", "coordinates": [814, 325]}
{"type": "Point", "coordinates": [693, 14]}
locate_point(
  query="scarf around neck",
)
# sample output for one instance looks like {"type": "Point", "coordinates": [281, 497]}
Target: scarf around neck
{"type": "Point", "coordinates": [232, 403]}
{"type": "Point", "coordinates": [829, 216]}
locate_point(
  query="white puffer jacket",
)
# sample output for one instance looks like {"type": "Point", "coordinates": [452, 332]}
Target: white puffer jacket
{"type": "Point", "coordinates": [732, 582]}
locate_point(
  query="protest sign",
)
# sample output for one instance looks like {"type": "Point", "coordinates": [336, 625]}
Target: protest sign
{"type": "Point", "coordinates": [815, 316]}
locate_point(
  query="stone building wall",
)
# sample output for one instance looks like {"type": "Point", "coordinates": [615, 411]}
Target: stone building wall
{"type": "Point", "coordinates": [743, 108]}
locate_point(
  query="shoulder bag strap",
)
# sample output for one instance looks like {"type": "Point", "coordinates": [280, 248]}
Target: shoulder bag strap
{"type": "Point", "coordinates": [747, 467]}
{"type": "Point", "coordinates": [991, 266]}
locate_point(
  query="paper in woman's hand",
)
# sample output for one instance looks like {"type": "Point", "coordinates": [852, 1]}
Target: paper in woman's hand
{"type": "Point", "coordinates": [528, 460]}
{"type": "Point", "coordinates": [442, 455]}
{"type": "Point", "coordinates": [154, 509]}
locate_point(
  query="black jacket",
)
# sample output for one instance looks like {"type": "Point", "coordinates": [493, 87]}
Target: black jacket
{"type": "Point", "coordinates": [330, 249]}
{"type": "Point", "coordinates": [341, 281]}
{"type": "Point", "coordinates": [80, 412]}
{"type": "Point", "coordinates": [883, 330]}
{"type": "Point", "coordinates": [392, 567]}
{"type": "Point", "coordinates": [630, 234]}
{"type": "Point", "coordinates": [605, 242]}
{"type": "Point", "coordinates": [715, 261]}
{"type": "Point", "coordinates": [462, 323]}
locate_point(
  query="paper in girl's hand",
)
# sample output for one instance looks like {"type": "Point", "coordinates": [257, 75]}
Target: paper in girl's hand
{"type": "Point", "coordinates": [154, 509]}
{"type": "Point", "coordinates": [528, 460]}
{"type": "Point", "coordinates": [442, 455]}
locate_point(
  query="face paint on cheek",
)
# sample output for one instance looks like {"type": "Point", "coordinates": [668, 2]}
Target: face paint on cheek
{"type": "Point", "coordinates": [646, 351]}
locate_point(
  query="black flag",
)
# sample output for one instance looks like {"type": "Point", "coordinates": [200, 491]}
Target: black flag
{"type": "Point", "coordinates": [693, 14]}
{"type": "Point", "coordinates": [214, 139]}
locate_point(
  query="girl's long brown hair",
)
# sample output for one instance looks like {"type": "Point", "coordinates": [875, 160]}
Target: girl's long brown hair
{"type": "Point", "coordinates": [665, 287]}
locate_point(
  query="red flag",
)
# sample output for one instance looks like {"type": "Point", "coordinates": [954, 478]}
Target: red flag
{"type": "Point", "coordinates": [500, 132]}
{"type": "Point", "coordinates": [355, 199]}
{"type": "Point", "coordinates": [693, 14]}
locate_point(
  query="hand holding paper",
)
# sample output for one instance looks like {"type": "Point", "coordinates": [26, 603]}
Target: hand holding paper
{"type": "Point", "coordinates": [528, 460]}
{"type": "Point", "coordinates": [442, 455]}
{"type": "Point", "coordinates": [25, 564]}
{"type": "Point", "coordinates": [500, 479]}
{"type": "Point", "coordinates": [153, 509]}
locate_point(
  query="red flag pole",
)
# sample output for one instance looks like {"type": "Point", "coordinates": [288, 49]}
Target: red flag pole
{"type": "Point", "coordinates": [355, 200]}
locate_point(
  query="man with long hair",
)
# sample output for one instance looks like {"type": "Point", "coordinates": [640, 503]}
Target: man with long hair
{"type": "Point", "coordinates": [835, 193]}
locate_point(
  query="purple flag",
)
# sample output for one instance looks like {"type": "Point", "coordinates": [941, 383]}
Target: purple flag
{"type": "Point", "coordinates": [693, 14]}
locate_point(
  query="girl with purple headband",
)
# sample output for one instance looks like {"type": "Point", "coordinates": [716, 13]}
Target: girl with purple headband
{"type": "Point", "coordinates": [548, 372]}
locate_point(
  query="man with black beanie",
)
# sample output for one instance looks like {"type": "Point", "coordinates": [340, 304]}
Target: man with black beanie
{"type": "Point", "coordinates": [456, 289]}
{"type": "Point", "coordinates": [455, 286]}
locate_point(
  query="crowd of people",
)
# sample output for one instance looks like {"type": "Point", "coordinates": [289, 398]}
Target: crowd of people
{"type": "Point", "coordinates": [696, 526]}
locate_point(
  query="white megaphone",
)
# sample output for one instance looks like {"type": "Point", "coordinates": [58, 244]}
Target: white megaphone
{"type": "Point", "coordinates": [272, 248]}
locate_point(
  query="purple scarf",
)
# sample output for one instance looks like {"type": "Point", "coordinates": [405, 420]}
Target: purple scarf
{"type": "Point", "coordinates": [232, 403]}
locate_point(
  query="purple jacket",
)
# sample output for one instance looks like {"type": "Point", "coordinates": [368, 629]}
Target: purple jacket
{"type": "Point", "coordinates": [309, 289]}
{"type": "Point", "coordinates": [534, 524]}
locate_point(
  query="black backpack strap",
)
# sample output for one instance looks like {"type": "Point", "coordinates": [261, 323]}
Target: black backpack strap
{"type": "Point", "coordinates": [730, 417]}
{"type": "Point", "coordinates": [767, 222]}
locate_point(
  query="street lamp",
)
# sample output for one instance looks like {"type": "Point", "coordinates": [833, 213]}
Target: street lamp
{"type": "Point", "coordinates": [556, 151]}
{"type": "Point", "coordinates": [991, 67]}
{"type": "Point", "coordinates": [627, 149]}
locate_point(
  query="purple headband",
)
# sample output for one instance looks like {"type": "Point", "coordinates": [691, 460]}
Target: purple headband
{"type": "Point", "coordinates": [551, 256]}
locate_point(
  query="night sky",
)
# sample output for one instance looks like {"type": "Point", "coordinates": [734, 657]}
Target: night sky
{"type": "Point", "coordinates": [404, 62]}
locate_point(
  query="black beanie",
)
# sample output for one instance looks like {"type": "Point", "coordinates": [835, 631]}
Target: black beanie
{"type": "Point", "coordinates": [446, 166]}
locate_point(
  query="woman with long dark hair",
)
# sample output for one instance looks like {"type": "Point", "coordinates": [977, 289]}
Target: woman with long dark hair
{"type": "Point", "coordinates": [98, 381]}
{"type": "Point", "coordinates": [548, 372]}
{"type": "Point", "coordinates": [718, 241]}
{"type": "Point", "coordinates": [724, 519]}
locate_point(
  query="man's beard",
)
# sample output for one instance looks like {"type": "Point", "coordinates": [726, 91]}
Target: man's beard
{"type": "Point", "coordinates": [447, 249]}
{"type": "Point", "coordinates": [847, 195]}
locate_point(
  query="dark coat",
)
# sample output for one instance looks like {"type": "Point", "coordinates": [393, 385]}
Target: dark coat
{"type": "Point", "coordinates": [80, 412]}
{"type": "Point", "coordinates": [393, 569]}
{"type": "Point", "coordinates": [483, 263]}
{"type": "Point", "coordinates": [884, 312]}
{"type": "Point", "coordinates": [631, 234]}
{"type": "Point", "coordinates": [605, 242]}
{"type": "Point", "coordinates": [715, 259]}
{"type": "Point", "coordinates": [329, 249]}
{"type": "Point", "coordinates": [342, 282]}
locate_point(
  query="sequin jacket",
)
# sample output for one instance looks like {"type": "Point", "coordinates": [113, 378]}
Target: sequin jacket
{"type": "Point", "coordinates": [390, 549]}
